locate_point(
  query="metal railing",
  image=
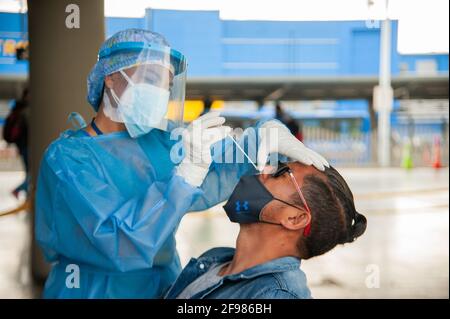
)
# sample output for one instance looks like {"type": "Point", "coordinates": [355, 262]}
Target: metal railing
{"type": "Point", "coordinates": [359, 149]}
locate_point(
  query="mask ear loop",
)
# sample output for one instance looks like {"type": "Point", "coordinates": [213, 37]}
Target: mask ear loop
{"type": "Point", "coordinates": [127, 78]}
{"type": "Point", "coordinates": [130, 82]}
{"type": "Point", "coordinates": [115, 97]}
{"type": "Point", "coordinates": [307, 229]}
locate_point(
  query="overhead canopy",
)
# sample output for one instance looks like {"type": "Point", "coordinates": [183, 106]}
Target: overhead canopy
{"type": "Point", "coordinates": [285, 88]}
{"type": "Point", "coordinates": [313, 88]}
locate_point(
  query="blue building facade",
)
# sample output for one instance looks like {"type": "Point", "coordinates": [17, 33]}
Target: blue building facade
{"type": "Point", "coordinates": [216, 47]}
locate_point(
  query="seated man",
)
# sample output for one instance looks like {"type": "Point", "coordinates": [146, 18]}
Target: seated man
{"type": "Point", "coordinates": [295, 213]}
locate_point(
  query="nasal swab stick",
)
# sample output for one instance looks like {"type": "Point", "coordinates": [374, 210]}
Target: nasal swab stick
{"type": "Point", "coordinates": [243, 152]}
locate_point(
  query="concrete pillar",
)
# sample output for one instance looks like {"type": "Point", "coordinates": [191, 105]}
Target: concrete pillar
{"type": "Point", "coordinates": [61, 56]}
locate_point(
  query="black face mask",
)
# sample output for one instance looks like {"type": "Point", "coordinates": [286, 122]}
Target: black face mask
{"type": "Point", "coordinates": [248, 199]}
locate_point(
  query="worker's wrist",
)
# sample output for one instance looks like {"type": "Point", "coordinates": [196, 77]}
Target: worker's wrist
{"type": "Point", "coordinates": [192, 173]}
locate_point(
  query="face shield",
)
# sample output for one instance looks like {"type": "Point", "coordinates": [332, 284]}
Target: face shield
{"type": "Point", "coordinates": [150, 92]}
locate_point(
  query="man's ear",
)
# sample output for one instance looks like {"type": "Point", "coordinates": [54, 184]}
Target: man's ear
{"type": "Point", "coordinates": [295, 219]}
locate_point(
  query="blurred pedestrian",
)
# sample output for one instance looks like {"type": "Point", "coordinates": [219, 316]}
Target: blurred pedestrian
{"type": "Point", "coordinates": [207, 103]}
{"type": "Point", "coordinates": [292, 125]}
{"type": "Point", "coordinates": [15, 131]}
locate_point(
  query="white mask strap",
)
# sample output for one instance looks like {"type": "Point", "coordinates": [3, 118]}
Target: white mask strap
{"type": "Point", "coordinates": [130, 82]}
{"type": "Point", "coordinates": [126, 77]}
{"type": "Point", "coordinates": [115, 97]}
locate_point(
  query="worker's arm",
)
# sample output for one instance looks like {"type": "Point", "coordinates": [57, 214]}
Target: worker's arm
{"type": "Point", "coordinates": [83, 217]}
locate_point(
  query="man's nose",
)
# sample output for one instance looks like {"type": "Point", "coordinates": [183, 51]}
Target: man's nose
{"type": "Point", "coordinates": [263, 177]}
{"type": "Point", "coordinates": [266, 173]}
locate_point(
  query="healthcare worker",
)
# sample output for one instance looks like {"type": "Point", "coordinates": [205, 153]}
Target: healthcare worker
{"type": "Point", "coordinates": [110, 195]}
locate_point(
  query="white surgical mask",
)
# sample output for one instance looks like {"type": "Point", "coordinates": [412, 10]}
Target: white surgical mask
{"type": "Point", "coordinates": [142, 106]}
{"type": "Point", "coordinates": [111, 111]}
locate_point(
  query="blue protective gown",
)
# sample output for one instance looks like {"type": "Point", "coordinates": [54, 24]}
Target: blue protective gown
{"type": "Point", "coordinates": [110, 205]}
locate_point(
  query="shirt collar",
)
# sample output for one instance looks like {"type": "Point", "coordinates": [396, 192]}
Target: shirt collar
{"type": "Point", "coordinates": [224, 254]}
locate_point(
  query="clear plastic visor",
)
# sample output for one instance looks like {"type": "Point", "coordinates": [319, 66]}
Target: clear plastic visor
{"type": "Point", "coordinates": [149, 93]}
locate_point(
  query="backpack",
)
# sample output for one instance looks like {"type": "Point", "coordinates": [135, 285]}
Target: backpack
{"type": "Point", "coordinates": [13, 129]}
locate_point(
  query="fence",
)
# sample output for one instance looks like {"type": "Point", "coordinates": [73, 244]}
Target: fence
{"type": "Point", "coordinates": [354, 149]}
{"type": "Point", "coordinates": [359, 149]}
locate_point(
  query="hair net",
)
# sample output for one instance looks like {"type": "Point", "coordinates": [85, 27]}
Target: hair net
{"type": "Point", "coordinates": [122, 50]}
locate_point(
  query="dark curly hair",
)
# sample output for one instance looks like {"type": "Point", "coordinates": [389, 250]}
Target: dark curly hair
{"type": "Point", "coordinates": [334, 219]}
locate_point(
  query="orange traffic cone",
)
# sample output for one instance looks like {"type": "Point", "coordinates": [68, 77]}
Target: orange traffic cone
{"type": "Point", "coordinates": [437, 153]}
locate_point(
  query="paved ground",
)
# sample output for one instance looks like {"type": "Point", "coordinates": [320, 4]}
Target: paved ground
{"type": "Point", "coordinates": [404, 253]}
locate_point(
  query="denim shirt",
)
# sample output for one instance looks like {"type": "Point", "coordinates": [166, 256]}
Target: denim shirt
{"type": "Point", "coordinates": [280, 278]}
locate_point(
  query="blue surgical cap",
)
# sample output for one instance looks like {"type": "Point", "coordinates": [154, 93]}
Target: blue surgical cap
{"type": "Point", "coordinates": [119, 52]}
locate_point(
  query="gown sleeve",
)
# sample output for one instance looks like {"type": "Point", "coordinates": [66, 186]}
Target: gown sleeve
{"type": "Point", "coordinates": [81, 216]}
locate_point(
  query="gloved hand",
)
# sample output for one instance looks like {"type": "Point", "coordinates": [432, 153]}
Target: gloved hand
{"type": "Point", "coordinates": [272, 133]}
{"type": "Point", "coordinates": [197, 140]}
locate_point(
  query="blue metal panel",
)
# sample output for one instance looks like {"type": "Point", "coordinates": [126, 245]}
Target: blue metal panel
{"type": "Point", "coordinates": [366, 48]}
{"type": "Point", "coordinates": [280, 48]}
{"type": "Point", "coordinates": [195, 33]}
{"type": "Point", "coordinates": [113, 24]}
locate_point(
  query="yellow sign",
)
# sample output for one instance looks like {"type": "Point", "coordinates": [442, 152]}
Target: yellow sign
{"type": "Point", "coordinates": [8, 46]}
{"type": "Point", "coordinates": [193, 109]}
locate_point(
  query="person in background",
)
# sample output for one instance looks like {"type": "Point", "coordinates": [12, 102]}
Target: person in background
{"type": "Point", "coordinates": [207, 103]}
{"type": "Point", "coordinates": [292, 125]}
{"type": "Point", "coordinates": [15, 131]}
